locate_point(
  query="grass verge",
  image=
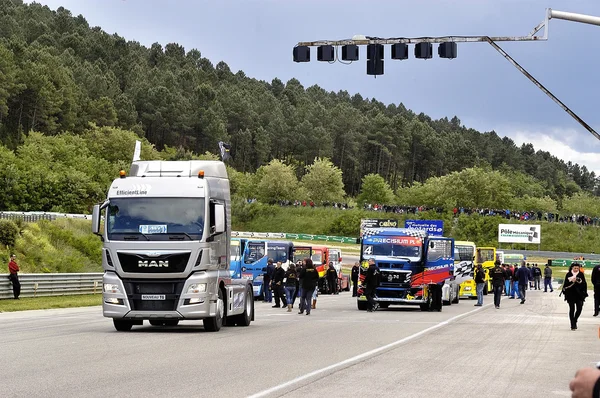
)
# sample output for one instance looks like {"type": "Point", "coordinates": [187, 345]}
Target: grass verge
{"type": "Point", "coordinates": [43, 303]}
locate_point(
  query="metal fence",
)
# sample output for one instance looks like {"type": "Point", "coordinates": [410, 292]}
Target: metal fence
{"type": "Point", "coordinates": [37, 285]}
{"type": "Point", "coordinates": [34, 216]}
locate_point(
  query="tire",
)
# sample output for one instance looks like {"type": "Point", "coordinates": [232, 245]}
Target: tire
{"type": "Point", "coordinates": [245, 318]}
{"type": "Point", "coordinates": [446, 302]}
{"type": "Point", "coordinates": [122, 326]}
{"type": "Point", "coordinates": [457, 298]}
{"type": "Point", "coordinates": [362, 305]}
{"type": "Point", "coordinates": [485, 289]}
{"type": "Point", "coordinates": [215, 323]}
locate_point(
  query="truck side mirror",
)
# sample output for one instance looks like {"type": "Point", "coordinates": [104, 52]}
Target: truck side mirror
{"type": "Point", "coordinates": [96, 220]}
{"type": "Point", "coordinates": [219, 218]}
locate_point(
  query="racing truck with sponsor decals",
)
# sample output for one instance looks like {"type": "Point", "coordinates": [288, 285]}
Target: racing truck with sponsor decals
{"type": "Point", "coordinates": [321, 257]}
{"type": "Point", "coordinates": [255, 257]}
{"type": "Point", "coordinates": [166, 247]}
{"type": "Point", "coordinates": [464, 251]}
{"type": "Point", "coordinates": [411, 264]}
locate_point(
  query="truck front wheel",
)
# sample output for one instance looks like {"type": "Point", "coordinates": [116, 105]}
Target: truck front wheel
{"type": "Point", "coordinates": [245, 318]}
{"type": "Point", "coordinates": [122, 326]}
{"type": "Point", "coordinates": [214, 324]}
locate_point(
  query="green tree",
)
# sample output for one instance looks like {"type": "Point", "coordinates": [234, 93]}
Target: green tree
{"type": "Point", "coordinates": [278, 181]}
{"type": "Point", "coordinates": [323, 181]}
{"type": "Point", "coordinates": [375, 190]}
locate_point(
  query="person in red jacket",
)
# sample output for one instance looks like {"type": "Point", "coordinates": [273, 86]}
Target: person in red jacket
{"type": "Point", "coordinates": [13, 269]}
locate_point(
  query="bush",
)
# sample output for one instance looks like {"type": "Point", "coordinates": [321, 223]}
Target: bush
{"type": "Point", "coordinates": [9, 231]}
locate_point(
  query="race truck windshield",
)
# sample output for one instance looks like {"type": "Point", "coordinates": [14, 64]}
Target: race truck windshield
{"type": "Point", "coordinates": [143, 218]}
{"type": "Point", "coordinates": [317, 257]}
{"type": "Point", "coordinates": [464, 253]}
{"type": "Point", "coordinates": [255, 251]}
{"type": "Point", "coordinates": [394, 247]}
{"type": "Point", "coordinates": [278, 252]}
{"type": "Point", "coordinates": [485, 255]}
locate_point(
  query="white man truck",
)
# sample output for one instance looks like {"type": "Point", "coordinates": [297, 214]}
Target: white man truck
{"type": "Point", "coordinates": [166, 234]}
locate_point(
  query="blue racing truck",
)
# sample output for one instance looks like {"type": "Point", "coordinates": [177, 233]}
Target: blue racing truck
{"type": "Point", "coordinates": [255, 257]}
{"type": "Point", "coordinates": [412, 265]}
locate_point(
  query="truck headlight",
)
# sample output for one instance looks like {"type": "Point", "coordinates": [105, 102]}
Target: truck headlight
{"type": "Point", "coordinates": [111, 288]}
{"type": "Point", "coordinates": [197, 288]}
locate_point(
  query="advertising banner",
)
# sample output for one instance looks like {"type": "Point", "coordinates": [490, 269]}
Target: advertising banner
{"type": "Point", "coordinates": [519, 233]}
{"type": "Point", "coordinates": [376, 223]}
{"type": "Point", "coordinates": [432, 227]}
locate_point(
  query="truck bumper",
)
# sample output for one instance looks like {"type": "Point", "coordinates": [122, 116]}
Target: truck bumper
{"type": "Point", "coordinates": [120, 303]}
{"type": "Point", "coordinates": [415, 301]}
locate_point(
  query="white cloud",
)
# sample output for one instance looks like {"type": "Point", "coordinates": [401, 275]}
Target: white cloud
{"type": "Point", "coordinates": [561, 148]}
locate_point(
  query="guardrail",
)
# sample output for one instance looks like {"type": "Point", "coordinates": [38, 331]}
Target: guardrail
{"type": "Point", "coordinates": [37, 285]}
{"type": "Point", "coordinates": [33, 216]}
{"type": "Point", "coordinates": [283, 235]}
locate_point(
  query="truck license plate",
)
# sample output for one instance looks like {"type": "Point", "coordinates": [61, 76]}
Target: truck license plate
{"type": "Point", "coordinates": [153, 297]}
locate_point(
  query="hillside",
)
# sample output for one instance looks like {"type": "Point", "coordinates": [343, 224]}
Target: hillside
{"type": "Point", "coordinates": [58, 75]}
{"type": "Point", "coordinates": [67, 245]}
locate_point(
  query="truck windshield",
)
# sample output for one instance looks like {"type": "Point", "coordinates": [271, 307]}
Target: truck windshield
{"type": "Point", "coordinates": [254, 252]}
{"type": "Point", "coordinates": [317, 257]}
{"type": "Point", "coordinates": [155, 218]}
{"type": "Point", "coordinates": [278, 252]}
{"type": "Point", "coordinates": [485, 255]}
{"type": "Point", "coordinates": [464, 253]}
{"type": "Point", "coordinates": [413, 252]}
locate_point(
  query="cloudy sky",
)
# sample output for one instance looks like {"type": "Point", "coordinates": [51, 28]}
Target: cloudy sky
{"type": "Point", "coordinates": [480, 87]}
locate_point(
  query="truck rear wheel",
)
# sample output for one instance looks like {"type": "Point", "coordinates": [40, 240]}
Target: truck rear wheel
{"type": "Point", "coordinates": [122, 326]}
{"type": "Point", "coordinates": [215, 323]}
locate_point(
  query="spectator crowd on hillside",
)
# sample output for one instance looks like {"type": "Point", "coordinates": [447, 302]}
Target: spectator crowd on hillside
{"type": "Point", "coordinates": [530, 215]}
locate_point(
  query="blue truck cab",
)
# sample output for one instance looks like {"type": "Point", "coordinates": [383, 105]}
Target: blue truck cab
{"type": "Point", "coordinates": [411, 263]}
{"type": "Point", "coordinates": [255, 256]}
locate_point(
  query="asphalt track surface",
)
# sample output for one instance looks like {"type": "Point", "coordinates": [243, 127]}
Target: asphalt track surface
{"type": "Point", "coordinates": [516, 351]}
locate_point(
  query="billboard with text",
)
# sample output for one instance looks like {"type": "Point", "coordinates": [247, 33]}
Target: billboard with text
{"type": "Point", "coordinates": [519, 233]}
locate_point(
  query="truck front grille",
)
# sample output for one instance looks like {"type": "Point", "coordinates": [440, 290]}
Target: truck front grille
{"type": "Point", "coordinates": [136, 289]}
{"type": "Point", "coordinates": [169, 263]}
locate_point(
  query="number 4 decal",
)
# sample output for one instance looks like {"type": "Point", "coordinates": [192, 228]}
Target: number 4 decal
{"type": "Point", "coordinates": [368, 250]}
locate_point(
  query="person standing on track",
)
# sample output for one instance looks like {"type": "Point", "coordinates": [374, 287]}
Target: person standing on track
{"type": "Point", "coordinates": [479, 284]}
{"type": "Point", "coordinates": [290, 285]}
{"type": "Point", "coordinates": [575, 290]}
{"type": "Point", "coordinates": [310, 279]}
{"type": "Point", "coordinates": [548, 278]}
{"type": "Point", "coordinates": [355, 279]}
{"type": "Point", "coordinates": [596, 284]}
{"type": "Point", "coordinates": [371, 282]}
{"type": "Point", "coordinates": [523, 275]}
{"type": "Point", "coordinates": [13, 270]}
{"type": "Point", "coordinates": [498, 278]}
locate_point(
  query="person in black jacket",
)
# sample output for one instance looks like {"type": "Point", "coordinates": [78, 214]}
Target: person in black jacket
{"type": "Point", "coordinates": [596, 284]}
{"type": "Point", "coordinates": [277, 286]}
{"type": "Point", "coordinates": [310, 278]}
{"type": "Point", "coordinates": [479, 284]}
{"type": "Point", "coordinates": [332, 277]}
{"type": "Point", "coordinates": [354, 278]}
{"type": "Point", "coordinates": [291, 280]}
{"type": "Point", "coordinates": [575, 291]}
{"type": "Point", "coordinates": [498, 278]}
{"type": "Point", "coordinates": [371, 282]}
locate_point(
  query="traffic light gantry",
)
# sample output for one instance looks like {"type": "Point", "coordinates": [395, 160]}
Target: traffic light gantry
{"type": "Point", "coordinates": [327, 50]}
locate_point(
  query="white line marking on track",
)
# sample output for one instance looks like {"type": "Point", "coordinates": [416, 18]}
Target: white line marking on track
{"type": "Point", "coordinates": [364, 355]}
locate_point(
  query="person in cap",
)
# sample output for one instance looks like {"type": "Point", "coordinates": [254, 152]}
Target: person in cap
{"type": "Point", "coordinates": [13, 270]}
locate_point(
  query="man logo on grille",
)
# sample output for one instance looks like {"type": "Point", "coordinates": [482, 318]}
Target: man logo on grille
{"type": "Point", "coordinates": [153, 263]}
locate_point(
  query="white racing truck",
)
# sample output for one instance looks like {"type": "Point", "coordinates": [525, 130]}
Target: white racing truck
{"type": "Point", "coordinates": [166, 234]}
